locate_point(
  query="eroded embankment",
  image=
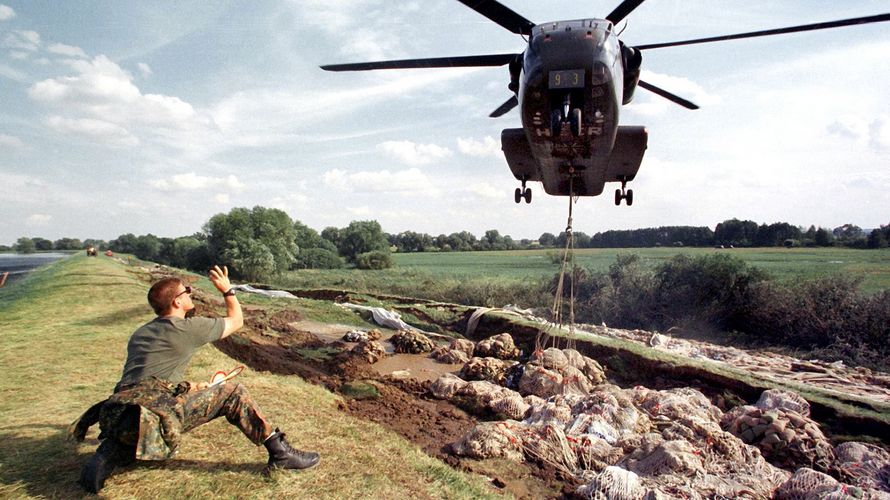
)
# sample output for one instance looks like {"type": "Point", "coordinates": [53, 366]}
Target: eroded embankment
{"type": "Point", "coordinates": [281, 341]}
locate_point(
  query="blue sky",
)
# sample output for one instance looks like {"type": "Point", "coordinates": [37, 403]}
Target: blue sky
{"type": "Point", "coordinates": [150, 117]}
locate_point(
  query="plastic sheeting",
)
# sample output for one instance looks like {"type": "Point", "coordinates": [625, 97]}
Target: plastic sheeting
{"type": "Point", "coordinates": [279, 294]}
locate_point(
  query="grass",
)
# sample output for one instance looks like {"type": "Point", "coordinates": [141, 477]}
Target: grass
{"type": "Point", "coordinates": [449, 276]}
{"type": "Point", "coordinates": [62, 347]}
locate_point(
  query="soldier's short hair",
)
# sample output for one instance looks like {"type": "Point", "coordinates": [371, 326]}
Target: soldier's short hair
{"type": "Point", "coordinates": [162, 293]}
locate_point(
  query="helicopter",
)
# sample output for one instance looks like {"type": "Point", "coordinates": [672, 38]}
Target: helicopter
{"type": "Point", "coordinates": [570, 83]}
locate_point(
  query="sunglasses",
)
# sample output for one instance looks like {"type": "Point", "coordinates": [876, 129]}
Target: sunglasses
{"type": "Point", "coordinates": [188, 290]}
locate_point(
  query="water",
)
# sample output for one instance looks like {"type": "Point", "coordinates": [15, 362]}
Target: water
{"type": "Point", "coordinates": [18, 265]}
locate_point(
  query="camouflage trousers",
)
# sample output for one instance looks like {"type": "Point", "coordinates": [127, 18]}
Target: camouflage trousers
{"type": "Point", "coordinates": [230, 400]}
{"type": "Point", "coordinates": [151, 415]}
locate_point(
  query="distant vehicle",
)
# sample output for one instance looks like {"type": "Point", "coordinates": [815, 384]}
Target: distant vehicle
{"type": "Point", "coordinates": [569, 84]}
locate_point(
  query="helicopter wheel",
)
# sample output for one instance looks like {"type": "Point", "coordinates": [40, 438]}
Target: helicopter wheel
{"type": "Point", "coordinates": [517, 195]}
{"type": "Point", "coordinates": [629, 197]}
{"type": "Point", "coordinates": [575, 121]}
{"type": "Point", "coordinates": [618, 197]}
{"type": "Point", "coordinates": [527, 195]}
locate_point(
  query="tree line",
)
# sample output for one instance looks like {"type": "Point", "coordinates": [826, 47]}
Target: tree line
{"type": "Point", "coordinates": [261, 242]}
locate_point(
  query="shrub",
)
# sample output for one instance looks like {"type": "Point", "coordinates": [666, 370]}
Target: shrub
{"type": "Point", "coordinates": [374, 260]}
{"type": "Point", "coordinates": [318, 258]}
{"type": "Point", "coordinates": [714, 289]}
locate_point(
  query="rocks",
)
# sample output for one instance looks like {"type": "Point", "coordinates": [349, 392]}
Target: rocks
{"type": "Point", "coordinates": [411, 342]}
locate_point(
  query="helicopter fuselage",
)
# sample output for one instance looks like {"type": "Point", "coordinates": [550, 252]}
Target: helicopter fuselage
{"type": "Point", "coordinates": [571, 86]}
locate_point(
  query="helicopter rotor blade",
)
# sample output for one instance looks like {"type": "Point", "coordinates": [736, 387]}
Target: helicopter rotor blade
{"type": "Point", "coordinates": [667, 95]}
{"type": "Point", "coordinates": [431, 62]}
{"type": "Point", "coordinates": [623, 9]}
{"type": "Point", "coordinates": [504, 108]}
{"type": "Point", "coordinates": [778, 31]}
{"type": "Point", "coordinates": [501, 15]}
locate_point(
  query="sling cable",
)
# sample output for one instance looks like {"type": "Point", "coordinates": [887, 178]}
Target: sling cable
{"type": "Point", "coordinates": [557, 312]}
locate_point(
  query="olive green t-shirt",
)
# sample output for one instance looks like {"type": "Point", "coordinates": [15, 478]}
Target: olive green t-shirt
{"type": "Point", "coordinates": [164, 346]}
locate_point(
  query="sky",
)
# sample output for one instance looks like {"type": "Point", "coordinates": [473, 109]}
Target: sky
{"type": "Point", "coordinates": [150, 117]}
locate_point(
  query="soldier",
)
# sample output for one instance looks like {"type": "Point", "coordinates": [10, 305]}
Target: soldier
{"type": "Point", "coordinates": [152, 405]}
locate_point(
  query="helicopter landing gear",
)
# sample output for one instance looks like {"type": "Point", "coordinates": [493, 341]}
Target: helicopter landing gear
{"type": "Point", "coordinates": [621, 194]}
{"type": "Point", "coordinates": [523, 192]}
{"type": "Point", "coordinates": [565, 121]}
{"type": "Point", "coordinates": [575, 122]}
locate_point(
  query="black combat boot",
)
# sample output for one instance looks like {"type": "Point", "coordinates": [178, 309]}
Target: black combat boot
{"type": "Point", "coordinates": [283, 456]}
{"type": "Point", "coordinates": [109, 455]}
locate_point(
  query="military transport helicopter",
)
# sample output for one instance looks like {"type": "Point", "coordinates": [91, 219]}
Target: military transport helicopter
{"type": "Point", "coordinates": [570, 83]}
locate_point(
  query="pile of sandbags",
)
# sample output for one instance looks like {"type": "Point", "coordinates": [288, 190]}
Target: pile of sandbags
{"type": "Point", "coordinates": [369, 350]}
{"type": "Point", "coordinates": [864, 465]}
{"type": "Point", "coordinates": [783, 434]}
{"type": "Point", "coordinates": [458, 351]}
{"type": "Point", "coordinates": [411, 342]}
{"type": "Point", "coordinates": [491, 369]}
{"type": "Point", "coordinates": [560, 371]}
{"type": "Point", "coordinates": [499, 346]}
{"type": "Point", "coordinates": [669, 443]}
{"type": "Point", "coordinates": [808, 484]}
{"type": "Point", "coordinates": [480, 397]}
{"type": "Point", "coordinates": [361, 335]}
{"type": "Point", "coordinates": [490, 439]}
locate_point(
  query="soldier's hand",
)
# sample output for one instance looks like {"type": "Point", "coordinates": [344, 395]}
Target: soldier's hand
{"type": "Point", "coordinates": [220, 278]}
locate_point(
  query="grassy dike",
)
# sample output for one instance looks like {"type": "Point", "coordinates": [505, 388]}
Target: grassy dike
{"type": "Point", "coordinates": [63, 333]}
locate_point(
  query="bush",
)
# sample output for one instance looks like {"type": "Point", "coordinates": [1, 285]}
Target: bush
{"type": "Point", "coordinates": [374, 260]}
{"type": "Point", "coordinates": [713, 289]}
{"type": "Point", "coordinates": [318, 258]}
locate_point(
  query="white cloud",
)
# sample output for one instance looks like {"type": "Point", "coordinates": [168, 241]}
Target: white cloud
{"type": "Point", "coordinates": [145, 69]}
{"type": "Point", "coordinates": [879, 134]}
{"type": "Point", "coordinates": [38, 219]}
{"type": "Point", "coordinates": [648, 104]}
{"type": "Point", "coordinates": [22, 40]}
{"type": "Point", "coordinates": [486, 190]}
{"type": "Point", "coordinates": [847, 129]}
{"type": "Point", "coordinates": [193, 182]}
{"type": "Point", "coordinates": [362, 211]}
{"type": "Point", "coordinates": [488, 147]}
{"type": "Point", "coordinates": [12, 74]}
{"type": "Point", "coordinates": [412, 153]}
{"type": "Point", "coordinates": [222, 198]}
{"type": "Point", "coordinates": [410, 180]}
{"type": "Point", "coordinates": [19, 55]}
{"type": "Point", "coordinates": [6, 12]}
{"type": "Point", "coordinates": [66, 50]}
{"type": "Point", "coordinates": [98, 130]}
{"type": "Point", "coordinates": [10, 141]}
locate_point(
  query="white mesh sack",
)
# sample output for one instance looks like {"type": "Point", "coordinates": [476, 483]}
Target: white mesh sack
{"type": "Point", "coordinates": [613, 483]}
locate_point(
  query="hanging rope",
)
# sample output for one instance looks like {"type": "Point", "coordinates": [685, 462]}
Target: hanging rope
{"type": "Point", "coordinates": [568, 261]}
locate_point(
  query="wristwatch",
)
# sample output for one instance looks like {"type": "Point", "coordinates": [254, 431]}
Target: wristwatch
{"type": "Point", "coordinates": [229, 293]}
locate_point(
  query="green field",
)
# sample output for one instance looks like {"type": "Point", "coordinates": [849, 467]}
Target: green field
{"type": "Point", "coordinates": [431, 269]}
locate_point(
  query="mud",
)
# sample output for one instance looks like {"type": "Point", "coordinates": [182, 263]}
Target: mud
{"type": "Point", "coordinates": [283, 342]}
